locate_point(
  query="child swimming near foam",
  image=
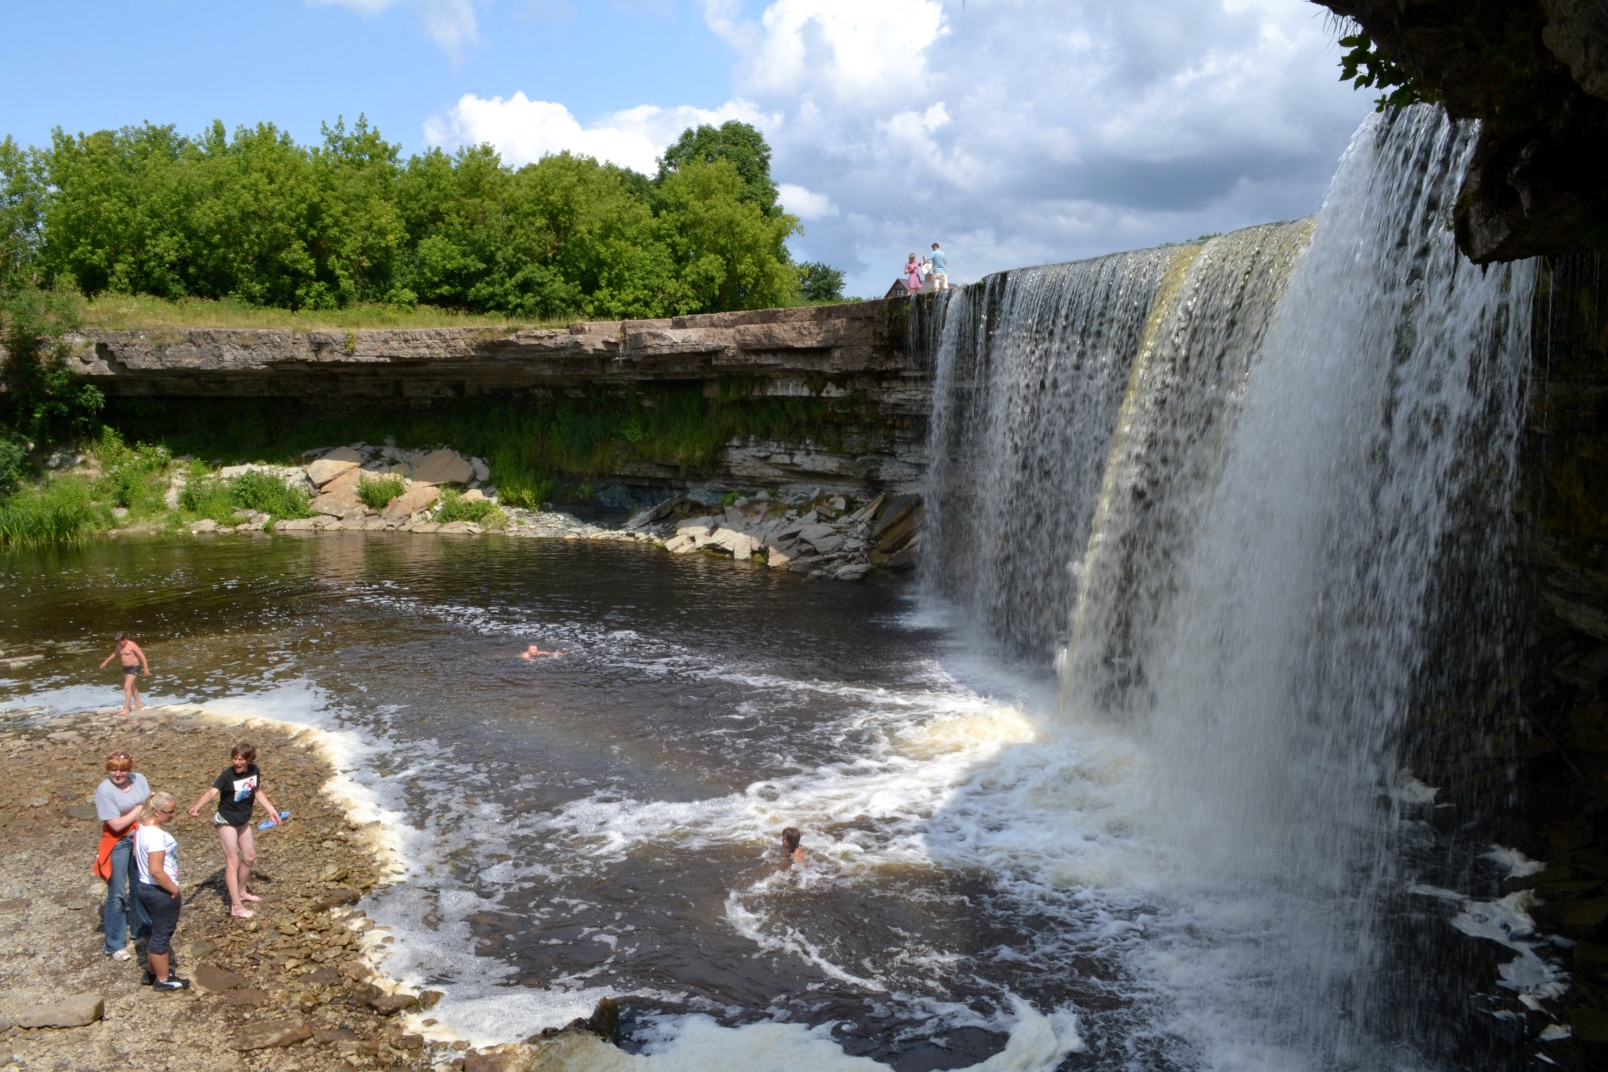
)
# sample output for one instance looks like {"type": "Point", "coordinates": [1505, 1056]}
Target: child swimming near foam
{"type": "Point", "coordinates": [790, 845]}
{"type": "Point", "coordinates": [533, 652]}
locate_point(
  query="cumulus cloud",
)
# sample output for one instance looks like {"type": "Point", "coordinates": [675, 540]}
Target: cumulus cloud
{"type": "Point", "coordinates": [804, 203]}
{"type": "Point", "coordinates": [525, 130]}
{"type": "Point", "coordinates": [1013, 131]}
{"type": "Point", "coordinates": [1024, 131]}
{"type": "Point", "coordinates": [451, 23]}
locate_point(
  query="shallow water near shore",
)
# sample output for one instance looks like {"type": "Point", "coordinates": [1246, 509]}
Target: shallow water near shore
{"type": "Point", "coordinates": [981, 887]}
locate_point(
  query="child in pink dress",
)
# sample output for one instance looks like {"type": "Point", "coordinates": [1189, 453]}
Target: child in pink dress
{"type": "Point", "coordinates": [912, 274]}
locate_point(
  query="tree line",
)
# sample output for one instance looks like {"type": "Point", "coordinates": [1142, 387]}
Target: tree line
{"type": "Point", "coordinates": [256, 217]}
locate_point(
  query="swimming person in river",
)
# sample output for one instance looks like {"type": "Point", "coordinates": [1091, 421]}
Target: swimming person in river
{"type": "Point", "coordinates": [534, 652]}
{"type": "Point", "coordinates": [790, 845]}
{"type": "Point", "coordinates": [132, 656]}
{"type": "Point", "coordinates": [239, 787]}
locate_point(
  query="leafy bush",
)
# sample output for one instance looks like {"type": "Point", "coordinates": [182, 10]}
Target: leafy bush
{"type": "Point", "coordinates": [60, 511]}
{"type": "Point", "coordinates": [378, 491]}
{"type": "Point", "coordinates": [267, 494]}
{"type": "Point", "coordinates": [131, 477]}
{"type": "Point", "coordinates": [208, 498]}
{"type": "Point", "coordinates": [257, 492]}
{"type": "Point", "coordinates": [454, 507]}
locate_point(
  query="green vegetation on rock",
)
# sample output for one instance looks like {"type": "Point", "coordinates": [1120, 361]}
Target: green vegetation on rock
{"type": "Point", "coordinates": [454, 507]}
{"type": "Point", "coordinates": [376, 492]}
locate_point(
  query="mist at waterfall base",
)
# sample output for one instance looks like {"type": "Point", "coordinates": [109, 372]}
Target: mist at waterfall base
{"type": "Point", "coordinates": [1216, 485]}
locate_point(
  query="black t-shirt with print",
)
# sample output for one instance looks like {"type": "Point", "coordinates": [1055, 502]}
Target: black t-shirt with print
{"type": "Point", "coordinates": [237, 793]}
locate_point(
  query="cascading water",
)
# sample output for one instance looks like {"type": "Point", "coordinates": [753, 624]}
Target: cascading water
{"type": "Point", "coordinates": [1257, 463]}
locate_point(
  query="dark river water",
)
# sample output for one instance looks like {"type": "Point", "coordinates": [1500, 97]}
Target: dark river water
{"type": "Point", "coordinates": [985, 886]}
{"type": "Point", "coordinates": [606, 822]}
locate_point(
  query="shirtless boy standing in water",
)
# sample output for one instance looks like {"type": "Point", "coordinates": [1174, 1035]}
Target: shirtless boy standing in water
{"type": "Point", "coordinates": [133, 659]}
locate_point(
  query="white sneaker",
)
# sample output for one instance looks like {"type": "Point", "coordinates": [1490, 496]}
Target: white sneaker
{"type": "Point", "coordinates": [121, 954]}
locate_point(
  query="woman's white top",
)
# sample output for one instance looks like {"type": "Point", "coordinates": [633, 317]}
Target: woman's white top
{"type": "Point", "coordinates": [151, 839]}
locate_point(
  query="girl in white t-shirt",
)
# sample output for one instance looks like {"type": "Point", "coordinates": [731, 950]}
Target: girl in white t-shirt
{"type": "Point", "coordinates": [156, 855]}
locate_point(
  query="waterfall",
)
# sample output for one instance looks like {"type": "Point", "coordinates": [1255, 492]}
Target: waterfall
{"type": "Point", "coordinates": [1237, 477]}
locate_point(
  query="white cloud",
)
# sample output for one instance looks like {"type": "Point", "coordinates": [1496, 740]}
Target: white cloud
{"type": "Point", "coordinates": [804, 203]}
{"type": "Point", "coordinates": [525, 130]}
{"type": "Point", "coordinates": [1013, 131]}
{"type": "Point", "coordinates": [451, 23]}
{"type": "Point", "coordinates": [1020, 131]}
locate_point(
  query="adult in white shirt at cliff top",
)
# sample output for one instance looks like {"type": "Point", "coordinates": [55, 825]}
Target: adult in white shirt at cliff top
{"type": "Point", "coordinates": [940, 268]}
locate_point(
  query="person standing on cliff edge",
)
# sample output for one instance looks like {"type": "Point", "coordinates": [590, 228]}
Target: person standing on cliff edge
{"type": "Point", "coordinates": [940, 268]}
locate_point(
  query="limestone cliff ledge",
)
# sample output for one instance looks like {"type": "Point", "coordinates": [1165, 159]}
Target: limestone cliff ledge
{"type": "Point", "coordinates": [827, 352]}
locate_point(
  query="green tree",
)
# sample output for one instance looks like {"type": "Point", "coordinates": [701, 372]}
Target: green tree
{"type": "Point", "coordinates": [818, 282]}
{"type": "Point", "coordinates": [740, 145]}
{"type": "Point", "coordinates": [729, 252]}
{"type": "Point", "coordinates": [22, 201]}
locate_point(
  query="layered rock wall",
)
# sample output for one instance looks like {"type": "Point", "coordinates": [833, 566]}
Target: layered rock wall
{"type": "Point", "coordinates": [1536, 73]}
{"type": "Point", "coordinates": [874, 392]}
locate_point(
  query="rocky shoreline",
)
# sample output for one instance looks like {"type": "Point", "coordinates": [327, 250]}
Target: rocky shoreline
{"type": "Point", "coordinates": [820, 533]}
{"type": "Point", "coordinates": [294, 988]}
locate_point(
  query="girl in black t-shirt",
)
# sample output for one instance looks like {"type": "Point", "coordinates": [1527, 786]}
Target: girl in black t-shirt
{"type": "Point", "coordinates": [238, 788]}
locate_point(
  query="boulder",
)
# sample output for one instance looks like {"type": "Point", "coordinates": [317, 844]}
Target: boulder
{"type": "Point", "coordinates": [324, 470]}
{"type": "Point", "coordinates": [904, 558]}
{"type": "Point", "coordinates": [295, 524]}
{"type": "Point", "coordinates": [79, 1010]}
{"type": "Point", "coordinates": [343, 454]}
{"type": "Point", "coordinates": [391, 1004]}
{"type": "Point", "coordinates": [427, 526]}
{"type": "Point", "coordinates": [682, 545]}
{"type": "Point", "coordinates": [474, 495]}
{"type": "Point", "coordinates": [267, 1034]}
{"type": "Point", "coordinates": [811, 533]}
{"type": "Point", "coordinates": [206, 524]}
{"type": "Point", "coordinates": [504, 1059]}
{"type": "Point", "coordinates": [216, 979]}
{"type": "Point", "coordinates": [776, 558]}
{"type": "Point", "coordinates": [895, 534]}
{"type": "Point", "coordinates": [826, 544]}
{"type": "Point", "coordinates": [443, 467]}
{"type": "Point", "coordinates": [339, 496]}
{"type": "Point", "coordinates": [466, 528]}
{"type": "Point", "coordinates": [246, 997]}
{"type": "Point", "coordinates": [740, 544]}
{"type": "Point", "coordinates": [411, 502]}
{"type": "Point", "coordinates": [481, 469]}
{"type": "Point", "coordinates": [853, 573]}
{"type": "Point", "coordinates": [892, 513]}
{"type": "Point", "coordinates": [336, 898]}
{"type": "Point", "coordinates": [696, 525]}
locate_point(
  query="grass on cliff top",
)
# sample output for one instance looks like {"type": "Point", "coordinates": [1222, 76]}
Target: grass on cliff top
{"type": "Point", "coordinates": [139, 312]}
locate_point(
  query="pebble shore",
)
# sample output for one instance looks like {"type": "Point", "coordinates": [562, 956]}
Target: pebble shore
{"type": "Point", "coordinates": [295, 988]}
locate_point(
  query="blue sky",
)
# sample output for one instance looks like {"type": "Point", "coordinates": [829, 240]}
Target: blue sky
{"type": "Point", "coordinates": [1014, 131]}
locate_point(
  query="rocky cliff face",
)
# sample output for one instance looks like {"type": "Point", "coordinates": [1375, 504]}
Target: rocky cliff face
{"type": "Point", "coordinates": [1536, 73]}
{"type": "Point", "coordinates": [873, 393]}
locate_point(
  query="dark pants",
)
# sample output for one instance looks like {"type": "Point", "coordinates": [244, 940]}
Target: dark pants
{"type": "Point", "coordinates": [123, 912]}
{"type": "Point", "coordinates": [163, 909]}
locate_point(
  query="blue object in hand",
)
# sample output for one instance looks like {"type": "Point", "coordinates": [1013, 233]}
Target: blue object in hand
{"type": "Point", "coordinates": [266, 823]}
